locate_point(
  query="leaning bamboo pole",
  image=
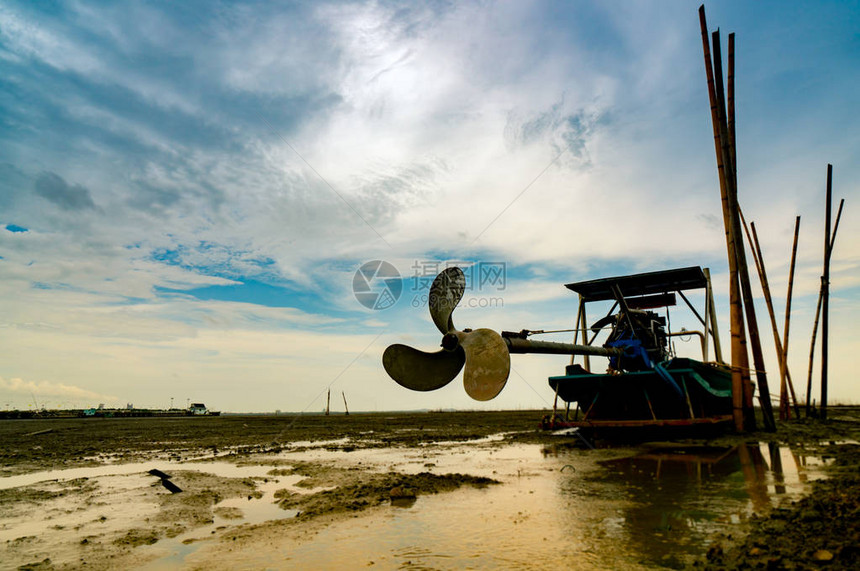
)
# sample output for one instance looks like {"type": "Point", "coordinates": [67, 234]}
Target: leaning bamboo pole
{"type": "Point", "coordinates": [812, 353]}
{"type": "Point", "coordinates": [784, 410]}
{"type": "Point", "coordinates": [738, 346]}
{"type": "Point", "coordinates": [788, 314]}
{"type": "Point", "coordinates": [836, 224]}
{"type": "Point", "coordinates": [757, 259]}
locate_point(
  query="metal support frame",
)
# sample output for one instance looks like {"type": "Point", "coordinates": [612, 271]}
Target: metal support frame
{"type": "Point", "coordinates": [710, 316]}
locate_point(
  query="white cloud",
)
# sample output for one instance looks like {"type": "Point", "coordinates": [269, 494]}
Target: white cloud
{"type": "Point", "coordinates": [46, 389]}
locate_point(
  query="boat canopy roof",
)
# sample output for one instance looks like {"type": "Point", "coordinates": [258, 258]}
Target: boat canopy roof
{"type": "Point", "coordinates": [665, 281]}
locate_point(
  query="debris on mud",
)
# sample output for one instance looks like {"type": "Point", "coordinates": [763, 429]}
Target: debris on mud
{"type": "Point", "coordinates": [136, 537]}
{"type": "Point", "coordinates": [374, 489]}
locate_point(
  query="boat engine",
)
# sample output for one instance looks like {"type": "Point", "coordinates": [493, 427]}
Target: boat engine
{"type": "Point", "coordinates": [642, 336]}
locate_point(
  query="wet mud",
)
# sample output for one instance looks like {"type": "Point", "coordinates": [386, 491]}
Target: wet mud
{"type": "Point", "coordinates": [426, 490]}
{"type": "Point", "coordinates": [820, 530]}
{"type": "Point", "coordinates": [30, 445]}
{"type": "Point", "coordinates": [366, 490]}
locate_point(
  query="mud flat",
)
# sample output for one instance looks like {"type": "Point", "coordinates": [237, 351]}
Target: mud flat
{"type": "Point", "coordinates": [444, 490]}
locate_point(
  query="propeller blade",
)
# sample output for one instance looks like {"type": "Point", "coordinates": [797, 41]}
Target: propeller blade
{"type": "Point", "coordinates": [422, 371]}
{"type": "Point", "coordinates": [445, 294]}
{"type": "Point", "coordinates": [488, 363]}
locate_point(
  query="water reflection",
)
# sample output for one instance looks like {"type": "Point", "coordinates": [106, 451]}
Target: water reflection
{"type": "Point", "coordinates": [678, 497]}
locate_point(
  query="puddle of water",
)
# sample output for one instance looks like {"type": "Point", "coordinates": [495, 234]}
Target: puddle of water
{"type": "Point", "coordinates": [172, 552]}
{"type": "Point", "coordinates": [484, 440]}
{"type": "Point", "coordinates": [319, 443]}
{"type": "Point", "coordinates": [473, 457]}
{"type": "Point", "coordinates": [223, 469]}
{"type": "Point", "coordinates": [520, 528]}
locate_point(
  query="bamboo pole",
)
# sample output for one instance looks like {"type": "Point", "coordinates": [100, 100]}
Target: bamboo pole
{"type": "Point", "coordinates": [825, 288]}
{"type": "Point", "coordinates": [812, 352]}
{"type": "Point", "coordinates": [836, 224]}
{"type": "Point", "coordinates": [788, 314]}
{"type": "Point", "coordinates": [728, 150]}
{"type": "Point", "coordinates": [753, 339]}
{"type": "Point", "coordinates": [745, 282]}
{"type": "Point", "coordinates": [817, 316]}
{"type": "Point", "coordinates": [345, 407]}
{"type": "Point", "coordinates": [727, 140]}
{"type": "Point", "coordinates": [784, 411]}
{"type": "Point", "coordinates": [730, 100]}
{"type": "Point", "coordinates": [734, 294]}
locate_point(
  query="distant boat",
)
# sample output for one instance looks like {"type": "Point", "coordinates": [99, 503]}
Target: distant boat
{"type": "Point", "coordinates": [199, 409]}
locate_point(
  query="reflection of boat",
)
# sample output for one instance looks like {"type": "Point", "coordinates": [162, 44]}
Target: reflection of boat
{"type": "Point", "coordinates": [676, 498]}
{"type": "Point", "coordinates": [645, 388]}
{"type": "Point", "coordinates": [682, 466]}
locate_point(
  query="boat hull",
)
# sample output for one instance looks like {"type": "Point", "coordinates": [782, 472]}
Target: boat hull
{"type": "Point", "coordinates": [681, 395]}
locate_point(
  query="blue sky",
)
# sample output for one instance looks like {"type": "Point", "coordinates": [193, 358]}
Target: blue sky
{"type": "Point", "coordinates": [187, 190]}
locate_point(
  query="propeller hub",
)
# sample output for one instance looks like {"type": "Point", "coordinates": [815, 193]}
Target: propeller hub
{"type": "Point", "coordinates": [450, 341]}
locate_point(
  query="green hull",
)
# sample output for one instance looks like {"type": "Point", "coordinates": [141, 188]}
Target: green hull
{"type": "Point", "coordinates": [680, 392]}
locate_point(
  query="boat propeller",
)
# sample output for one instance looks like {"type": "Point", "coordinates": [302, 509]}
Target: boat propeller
{"type": "Point", "coordinates": [482, 353]}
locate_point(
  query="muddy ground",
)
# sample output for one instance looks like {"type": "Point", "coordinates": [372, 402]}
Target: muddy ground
{"type": "Point", "coordinates": [78, 523]}
{"type": "Point", "coordinates": [31, 445]}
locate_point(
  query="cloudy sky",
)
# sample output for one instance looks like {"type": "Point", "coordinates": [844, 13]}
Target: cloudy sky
{"type": "Point", "coordinates": [187, 189]}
